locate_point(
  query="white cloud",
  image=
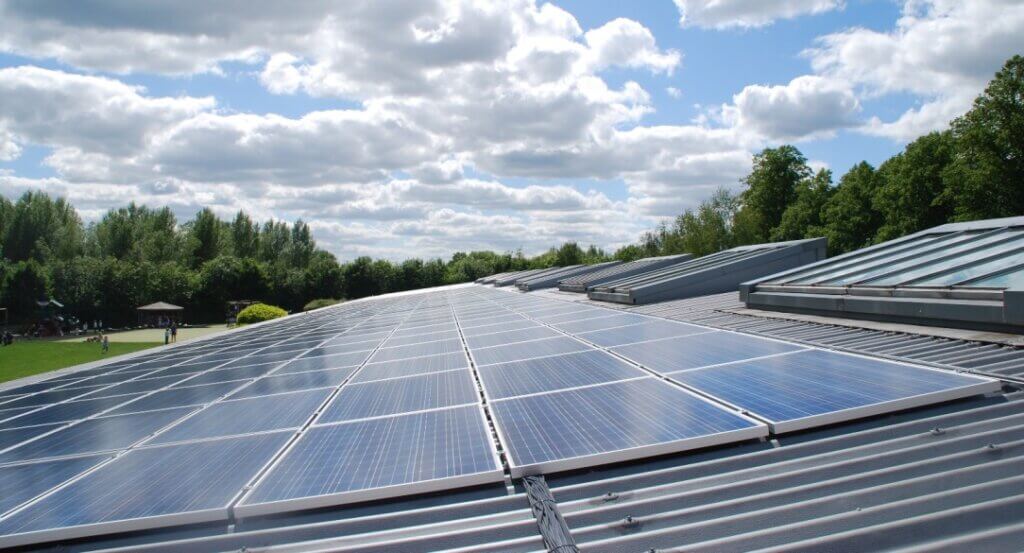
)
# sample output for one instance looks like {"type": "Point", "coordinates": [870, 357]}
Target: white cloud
{"type": "Point", "coordinates": [724, 14]}
{"type": "Point", "coordinates": [626, 43]}
{"type": "Point", "coordinates": [674, 92]}
{"type": "Point", "coordinates": [9, 149]}
{"type": "Point", "coordinates": [808, 106]}
{"type": "Point", "coordinates": [943, 51]}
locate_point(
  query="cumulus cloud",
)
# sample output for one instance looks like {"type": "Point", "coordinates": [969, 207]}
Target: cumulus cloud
{"type": "Point", "coordinates": [807, 106]}
{"type": "Point", "coordinates": [724, 14]}
{"type": "Point", "coordinates": [943, 51]}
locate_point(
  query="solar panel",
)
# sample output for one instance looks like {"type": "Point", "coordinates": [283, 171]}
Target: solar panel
{"type": "Point", "coordinates": [378, 458]}
{"type": "Point", "coordinates": [325, 362]}
{"type": "Point", "coordinates": [401, 395]}
{"type": "Point", "coordinates": [608, 423]}
{"type": "Point", "coordinates": [417, 350]}
{"type": "Point", "coordinates": [554, 373]}
{"type": "Point", "coordinates": [146, 488]}
{"type": "Point", "coordinates": [411, 367]}
{"type": "Point", "coordinates": [274, 384]}
{"type": "Point", "coordinates": [700, 350]}
{"type": "Point", "coordinates": [20, 483]}
{"type": "Point", "coordinates": [44, 398]}
{"type": "Point", "coordinates": [643, 332]}
{"type": "Point", "coordinates": [68, 411]}
{"type": "Point", "coordinates": [813, 388]}
{"type": "Point", "coordinates": [510, 337]}
{"type": "Point", "coordinates": [94, 436]}
{"type": "Point", "coordinates": [601, 322]}
{"type": "Point", "coordinates": [527, 350]}
{"type": "Point", "coordinates": [246, 416]}
{"type": "Point", "coordinates": [15, 436]}
{"type": "Point", "coordinates": [178, 397]}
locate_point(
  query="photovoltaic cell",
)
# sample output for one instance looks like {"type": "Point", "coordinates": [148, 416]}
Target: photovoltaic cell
{"type": "Point", "coordinates": [510, 337]}
{"type": "Point", "coordinates": [94, 435]}
{"type": "Point", "coordinates": [527, 350]}
{"type": "Point", "coordinates": [410, 367]}
{"type": "Point", "coordinates": [227, 375]}
{"type": "Point", "coordinates": [326, 362]}
{"type": "Point", "coordinates": [610, 423]}
{"type": "Point", "coordinates": [178, 397]}
{"type": "Point", "coordinates": [420, 338]}
{"type": "Point", "coordinates": [651, 330]}
{"type": "Point", "coordinates": [417, 350]}
{"type": "Point", "coordinates": [245, 416]}
{"type": "Point", "coordinates": [600, 323]}
{"type": "Point", "coordinates": [147, 488]}
{"type": "Point", "coordinates": [329, 378]}
{"type": "Point", "coordinates": [378, 458]}
{"type": "Point", "coordinates": [146, 385]}
{"type": "Point", "coordinates": [554, 373]}
{"type": "Point", "coordinates": [17, 435]}
{"type": "Point", "coordinates": [44, 398]}
{"type": "Point", "coordinates": [340, 349]}
{"type": "Point", "coordinates": [68, 411]}
{"type": "Point", "coordinates": [401, 395]}
{"type": "Point", "coordinates": [497, 327]}
{"type": "Point", "coordinates": [20, 483]}
{"type": "Point", "coordinates": [690, 352]}
{"type": "Point", "coordinates": [814, 387]}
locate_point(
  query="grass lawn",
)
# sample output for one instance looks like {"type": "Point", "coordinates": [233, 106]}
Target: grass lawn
{"type": "Point", "coordinates": [33, 357]}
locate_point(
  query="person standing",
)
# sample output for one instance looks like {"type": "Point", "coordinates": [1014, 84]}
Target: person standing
{"type": "Point", "coordinates": [105, 341]}
{"type": "Point", "coordinates": [167, 335]}
{"type": "Point", "coordinates": [174, 332]}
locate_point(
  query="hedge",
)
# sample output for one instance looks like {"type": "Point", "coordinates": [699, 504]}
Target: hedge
{"type": "Point", "coordinates": [259, 312]}
{"type": "Point", "coordinates": [318, 303]}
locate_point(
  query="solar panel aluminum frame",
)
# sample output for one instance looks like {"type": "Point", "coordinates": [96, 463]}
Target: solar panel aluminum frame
{"type": "Point", "coordinates": [583, 283]}
{"type": "Point", "coordinates": [958, 307]}
{"type": "Point", "coordinates": [242, 510]}
{"type": "Point", "coordinates": [758, 430]}
{"type": "Point", "coordinates": [983, 386]}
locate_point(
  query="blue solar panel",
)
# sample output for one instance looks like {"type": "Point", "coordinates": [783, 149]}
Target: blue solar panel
{"type": "Point", "coordinates": [690, 352]}
{"type": "Point", "coordinates": [146, 385]}
{"type": "Point", "coordinates": [421, 338]}
{"type": "Point", "coordinates": [227, 375]}
{"type": "Point", "coordinates": [469, 332]}
{"type": "Point", "coordinates": [378, 458]}
{"type": "Point", "coordinates": [554, 373]}
{"type": "Point", "coordinates": [178, 397]}
{"type": "Point", "coordinates": [527, 350]}
{"type": "Point", "coordinates": [814, 387]}
{"type": "Point", "coordinates": [511, 337]}
{"type": "Point", "coordinates": [147, 488]}
{"type": "Point", "coordinates": [600, 323]}
{"type": "Point", "coordinates": [245, 416]}
{"type": "Point", "coordinates": [17, 435]}
{"type": "Point", "coordinates": [610, 423]}
{"type": "Point", "coordinates": [410, 367]}
{"type": "Point", "coordinates": [337, 349]}
{"type": "Point", "coordinates": [293, 382]}
{"type": "Point", "coordinates": [265, 356]}
{"type": "Point", "coordinates": [416, 350]}
{"type": "Point", "coordinates": [44, 398]}
{"type": "Point", "coordinates": [326, 362]}
{"type": "Point", "coordinates": [95, 435]}
{"type": "Point", "coordinates": [20, 483]}
{"type": "Point", "coordinates": [69, 411]}
{"type": "Point", "coordinates": [651, 330]}
{"type": "Point", "coordinates": [401, 395]}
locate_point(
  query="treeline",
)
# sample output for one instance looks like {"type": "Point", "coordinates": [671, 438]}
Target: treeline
{"type": "Point", "coordinates": [136, 255]}
{"type": "Point", "coordinates": [973, 170]}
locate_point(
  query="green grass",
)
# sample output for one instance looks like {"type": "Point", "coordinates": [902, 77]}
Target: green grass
{"type": "Point", "coordinates": [22, 359]}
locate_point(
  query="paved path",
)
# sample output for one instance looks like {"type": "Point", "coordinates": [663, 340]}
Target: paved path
{"type": "Point", "coordinates": [156, 334]}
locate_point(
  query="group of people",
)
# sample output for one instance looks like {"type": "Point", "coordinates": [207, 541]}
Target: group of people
{"type": "Point", "coordinates": [7, 338]}
{"type": "Point", "coordinates": [171, 333]}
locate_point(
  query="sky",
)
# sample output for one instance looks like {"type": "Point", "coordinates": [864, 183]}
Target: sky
{"type": "Point", "coordinates": [401, 128]}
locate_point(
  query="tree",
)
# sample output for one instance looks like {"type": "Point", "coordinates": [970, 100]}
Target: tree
{"type": "Point", "coordinates": [771, 187]}
{"type": "Point", "coordinates": [911, 194]}
{"type": "Point", "coordinates": [986, 177]}
{"type": "Point", "coordinates": [323, 277]}
{"type": "Point", "coordinates": [245, 236]}
{"type": "Point", "coordinates": [803, 217]}
{"type": "Point", "coordinates": [848, 218]}
{"type": "Point", "coordinates": [25, 283]}
{"type": "Point", "coordinates": [204, 237]}
{"type": "Point", "coordinates": [569, 253]}
{"type": "Point", "coordinates": [42, 229]}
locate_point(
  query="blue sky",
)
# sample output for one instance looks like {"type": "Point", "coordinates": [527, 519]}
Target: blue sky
{"type": "Point", "coordinates": [404, 129]}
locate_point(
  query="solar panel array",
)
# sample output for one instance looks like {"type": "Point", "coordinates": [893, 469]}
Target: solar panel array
{"type": "Point", "coordinates": [398, 395]}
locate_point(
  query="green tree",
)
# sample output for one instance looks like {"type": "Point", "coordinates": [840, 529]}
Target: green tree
{"type": "Point", "coordinates": [204, 237]}
{"type": "Point", "coordinates": [771, 188]}
{"type": "Point", "coordinates": [803, 217]}
{"type": "Point", "coordinates": [245, 236]}
{"type": "Point", "coordinates": [849, 220]}
{"type": "Point", "coordinates": [911, 194]}
{"type": "Point", "coordinates": [986, 177]}
{"type": "Point", "coordinates": [323, 277]}
{"type": "Point", "coordinates": [25, 283]}
{"type": "Point", "coordinates": [41, 228]}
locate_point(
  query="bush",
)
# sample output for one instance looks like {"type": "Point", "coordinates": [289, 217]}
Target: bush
{"type": "Point", "coordinates": [317, 304]}
{"type": "Point", "coordinates": [259, 312]}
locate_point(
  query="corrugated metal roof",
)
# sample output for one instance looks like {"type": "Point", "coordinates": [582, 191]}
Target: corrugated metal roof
{"type": "Point", "coordinates": [943, 478]}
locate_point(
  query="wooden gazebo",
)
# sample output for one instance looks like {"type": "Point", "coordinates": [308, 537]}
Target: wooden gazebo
{"type": "Point", "coordinates": [160, 314]}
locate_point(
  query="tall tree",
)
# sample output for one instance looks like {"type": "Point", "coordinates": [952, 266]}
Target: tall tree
{"type": "Point", "coordinates": [204, 237]}
{"type": "Point", "coordinates": [245, 236]}
{"type": "Point", "coordinates": [910, 197]}
{"type": "Point", "coordinates": [803, 217]}
{"type": "Point", "coordinates": [772, 186]}
{"type": "Point", "coordinates": [848, 218]}
{"type": "Point", "coordinates": [986, 178]}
